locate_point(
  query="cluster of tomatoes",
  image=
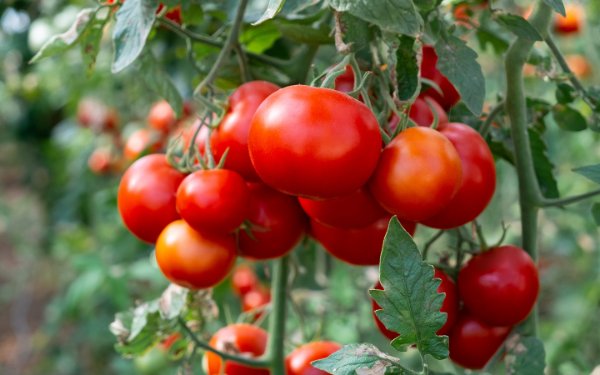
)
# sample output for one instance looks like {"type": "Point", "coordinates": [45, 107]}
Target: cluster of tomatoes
{"type": "Point", "coordinates": [254, 295]}
{"type": "Point", "coordinates": [496, 290]}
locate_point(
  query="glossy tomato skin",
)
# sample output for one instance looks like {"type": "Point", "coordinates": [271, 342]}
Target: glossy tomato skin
{"type": "Point", "coordinates": [421, 112]}
{"type": "Point", "coordinates": [449, 306]}
{"type": "Point", "coordinates": [499, 286]}
{"type": "Point", "coordinates": [418, 174]}
{"type": "Point", "coordinates": [162, 117]}
{"type": "Point", "coordinates": [192, 259]}
{"type": "Point", "coordinates": [449, 96]}
{"type": "Point", "coordinates": [299, 361]}
{"type": "Point", "coordinates": [356, 210]}
{"type": "Point", "coordinates": [233, 131]}
{"type": "Point", "coordinates": [278, 223]}
{"type": "Point", "coordinates": [361, 247]}
{"type": "Point", "coordinates": [473, 343]}
{"type": "Point", "coordinates": [213, 200]}
{"type": "Point", "coordinates": [478, 178]}
{"type": "Point", "coordinates": [243, 279]}
{"type": "Point", "coordinates": [246, 339]}
{"type": "Point", "coordinates": [141, 142]}
{"type": "Point", "coordinates": [314, 142]}
{"type": "Point", "coordinates": [146, 197]}
{"type": "Point", "coordinates": [345, 81]}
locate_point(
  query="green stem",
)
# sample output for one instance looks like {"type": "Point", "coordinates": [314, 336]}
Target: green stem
{"type": "Point", "coordinates": [275, 350]}
{"type": "Point", "coordinates": [569, 200]}
{"type": "Point", "coordinates": [516, 108]}
{"type": "Point", "coordinates": [487, 124]}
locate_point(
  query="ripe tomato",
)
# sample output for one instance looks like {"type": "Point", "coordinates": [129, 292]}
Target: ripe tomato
{"type": "Point", "coordinates": [162, 117]}
{"type": "Point", "coordinates": [356, 210]}
{"type": "Point", "coordinates": [192, 259]}
{"type": "Point", "coordinates": [172, 14]}
{"type": "Point", "coordinates": [449, 306]}
{"type": "Point", "coordinates": [278, 223]}
{"type": "Point", "coordinates": [345, 81]}
{"type": "Point", "coordinates": [579, 65]}
{"type": "Point", "coordinates": [94, 114]}
{"type": "Point", "coordinates": [255, 299]}
{"type": "Point", "coordinates": [361, 247]}
{"type": "Point", "coordinates": [141, 142]}
{"type": "Point", "coordinates": [246, 340]}
{"type": "Point", "coordinates": [421, 112]}
{"type": "Point", "coordinates": [572, 22]}
{"type": "Point", "coordinates": [188, 133]}
{"type": "Point", "coordinates": [233, 131]}
{"type": "Point", "coordinates": [213, 200]}
{"type": "Point", "coordinates": [299, 361]}
{"type": "Point", "coordinates": [449, 96]}
{"type": "Point", "coordinates": [243, 279]}
{"type": "Point", "coordinates": [418, 174]}
{"type": "Point", "coordinates": [478, 178]}
{"type": "Point", "coordinates": [473, 343]}
{"type": "Point", "coordinates": [99, 161]}
{"type": "Point", "coordinates": [146, 196]}
{"type": "Point", "coordinates": [314, 142]}
{"type": "Point", "coordinates": [499, 286]}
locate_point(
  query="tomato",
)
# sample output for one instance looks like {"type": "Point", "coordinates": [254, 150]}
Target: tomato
{"type": "Point", "coordinates": [213, 200]}
{"type": "Point", "coordinates": [232, 133]}
{"type": "Point", "coordinates": [499, 286]}
{"type": "Point", "coordinates": [243, 279]}
{"type": "Point", "coordinates": [96, 115]}
{"type": "Point", "coordinates": [256, 298]}
{"type": "Point", "coordinates": [141, 142]}
{"type": "Point", "coordinates": [192, 259]}
{"type": "Point", "coordinates": [478, 178]}
{"type": "Point", "coordinates": [161, 117]}
{"type": "Point", "coordinates": [473, 343]}
{"type": "Point", "coordinates": [278, 223]}
{"type": "Point", "coordinates": [449, 96]}
{"type": "Point", "coordinates": [244, 339]}
{"type": "Point", "coordinates": [99, 161]}
{"type": "Point", "coordinates": [314, 142]}
{"type": "Point", "coordinates": [345, 81]}
{"type": "Point", "coordinates": [146, 196]}
{"type": "Point", "coordinates": [356, 210]}
{"type": "Point", "coordinates": [572, 22]}
{"type": "Point", "coordinates": [579, 65]}
{"type": "Point", "coordinates": [421, 112]}
{"type": "Point", "coordinates": [299, 361]}
{"type": "Point", "coordinates": [171, 14]}
{"type": "Point", "coordinates": [418, 174]}
{"type": "Point", "coordinates": [361, 247]}
{"type": "Point", "coordinates": [188, 133]}
{"type": "Point", "coordinates": [449, 306]}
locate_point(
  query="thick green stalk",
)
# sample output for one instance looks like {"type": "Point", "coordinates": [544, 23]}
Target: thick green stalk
{"type": "Point", "coordinates": [530, 196]}
{"type": "Point", "coordinates": [275, 350]}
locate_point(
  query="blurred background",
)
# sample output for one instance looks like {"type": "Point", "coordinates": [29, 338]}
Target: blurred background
{"type": "Point", "coordinates": [67, 264]}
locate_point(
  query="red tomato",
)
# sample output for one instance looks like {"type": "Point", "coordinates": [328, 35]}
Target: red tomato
{"type": "Point", "coordinates": [421, 113]}
{"type": "Point", "coordinates": [233, 131]}
{"type": "Point", "coordinates": [162, 117]}
{"type": "Point", "coordinates": [213, 200]}
{"type": "Point", "coordinates": [449, 306]}
{"type": "Point", "coordinates": [299, 361]}
{"type": "Point", "coordinates": [245, 339]}
{"type": "Point", "coordinates": [345, 81]}
{"type": "Point", "coordinates": [449, 96]}
{"type": "Point", "coordinates": [192, 259]}
{"type": "Point", "coordinates": [499, 286]}
{"type": "Point", "coordinates": [243, 279]}
{"type": "Point", "coordinates": [314, 142]}
{"type": "Point", "coordinates": [188, 133]}
{"type": "Point", "coordinates": [96, 115]}
{"type": "Point", "coordinates": [256, 298]}
{"type": "Point", "coordinates": [571, 24]}
{"type": "Point", "coordinates": [356, 210]}
{"type": "Point", "coordinates": [99, 161]}
{"type": "Point", "coordinates": [146, 197]}
{"type": "Point", "coordinates": [473, 343]}
{"type": "Point", "coordinates": [278, 223]}
{"type": "Point", "coordinates": [478, 178]}
{"type": "Point", "coordinates": [361, 247]}
{"type": "Point", "coordinates": [172, 14]}
{"type": "Point", "coordinates": [141, 142]}
{"type": "Point", "coordinates": [579, 65]}
{"type": "Point", "coordinates": [418, 174]}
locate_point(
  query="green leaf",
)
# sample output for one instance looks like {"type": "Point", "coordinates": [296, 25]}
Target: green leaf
{"type": "Point", "coordinates": [91, 38]}
{"type": "Point", "coordinates": [459, 63]}
{"type": "Point", "coordinates": [133, 23]}
{"type": "Point", "coordinates": [410, 301]}
{"type": "Point", "coordinates": [519, 26]}
{"type": "Point", "coordinates": [596, 213]}
{"type": "Point", "coordinates": [525, 356]}
{"type": "Point", "coordinates": [62, 42]}
{"type": "Point", "coordinates": [426, 5]}
{"type": "Point", "coordinates": [356, 31]}
{"type": "Point", "coordinates": [273, 7]}
{"type": "Point", "coordinates": [396, 16]}
{"type": "Point", "coordinates": [158, 80]}
{"type": "Point", "coordinates": [260, 38]}
{"type": "Point", "coordinates": [137, 330]}
{"type": "Point", "coordinates": [568, 118]}
{"type": "Point", "coordinates": [565, 93]}
{"type": "Point", "coordinates": [488, 38]}
{"type": "Point", "coordinates": [407, 68]}
{"type": "Point", "coordinates": [557, 5]}
{"type": "Point", "coordinates": [591, 172]}
{"type": "Point", "coordinates": [365, 358]}
{"type": "Point", "coordinates": [544, 169]}
{"type": "Point", "coordinates": [302, 33]}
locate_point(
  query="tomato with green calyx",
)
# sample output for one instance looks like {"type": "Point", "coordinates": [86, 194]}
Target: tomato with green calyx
{"type": "Point", "coordinates": [277, 224]}
{"type": "Point", "coordinates": [314, 142]}
{"type": "Point", "coordinates": [418, 174]}
{"type": "Point", "coordinates": [232, 133]}
{"type": "Point", "coordinates": [478, 178]}
{"type": "Point", "coordinates": [299, 361]}
{"type": "Point", "coordinates": [192, 259]}
{"type": "Point", "coordinates": [449, 96]}
{"type": "Point", "coordinates": [146, 196]}
{"type": "Point", "coordinates": [244, 339]}
{"type": "Point", "coordinates": [499, 286]}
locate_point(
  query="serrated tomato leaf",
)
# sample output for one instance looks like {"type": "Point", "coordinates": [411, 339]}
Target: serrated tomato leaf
{"type": "Point", "coordinates": [568, 118]}
{"type": "Point", "coordinates": [91, 39]}
{"type": "Point", "coordinates": [525, 356]}
{"type": "Point", "coordinates": [591, 172]}
{"type": "Point", "coordinates": [407, 68]}
{"type": "Point", "coordinates": [160, 82]}
{"type": "Point", "coordinates": [133, 24]}
{"type": "Point", "coordinates": [360, 359]}
{"type": "Point", "coordinates": [544, 168]}
{"type": "Point", "coordinates": [459, 63]}
{"type": "Point", "coordinates": [519, 26]}
{"type": "Point", "coordinates": [396, 16]}
{"type": "Point", "coordinates": [410, 302]}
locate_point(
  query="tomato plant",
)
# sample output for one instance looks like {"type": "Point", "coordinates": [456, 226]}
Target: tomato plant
{"type": "Point", "coordinates": [245, 339]}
